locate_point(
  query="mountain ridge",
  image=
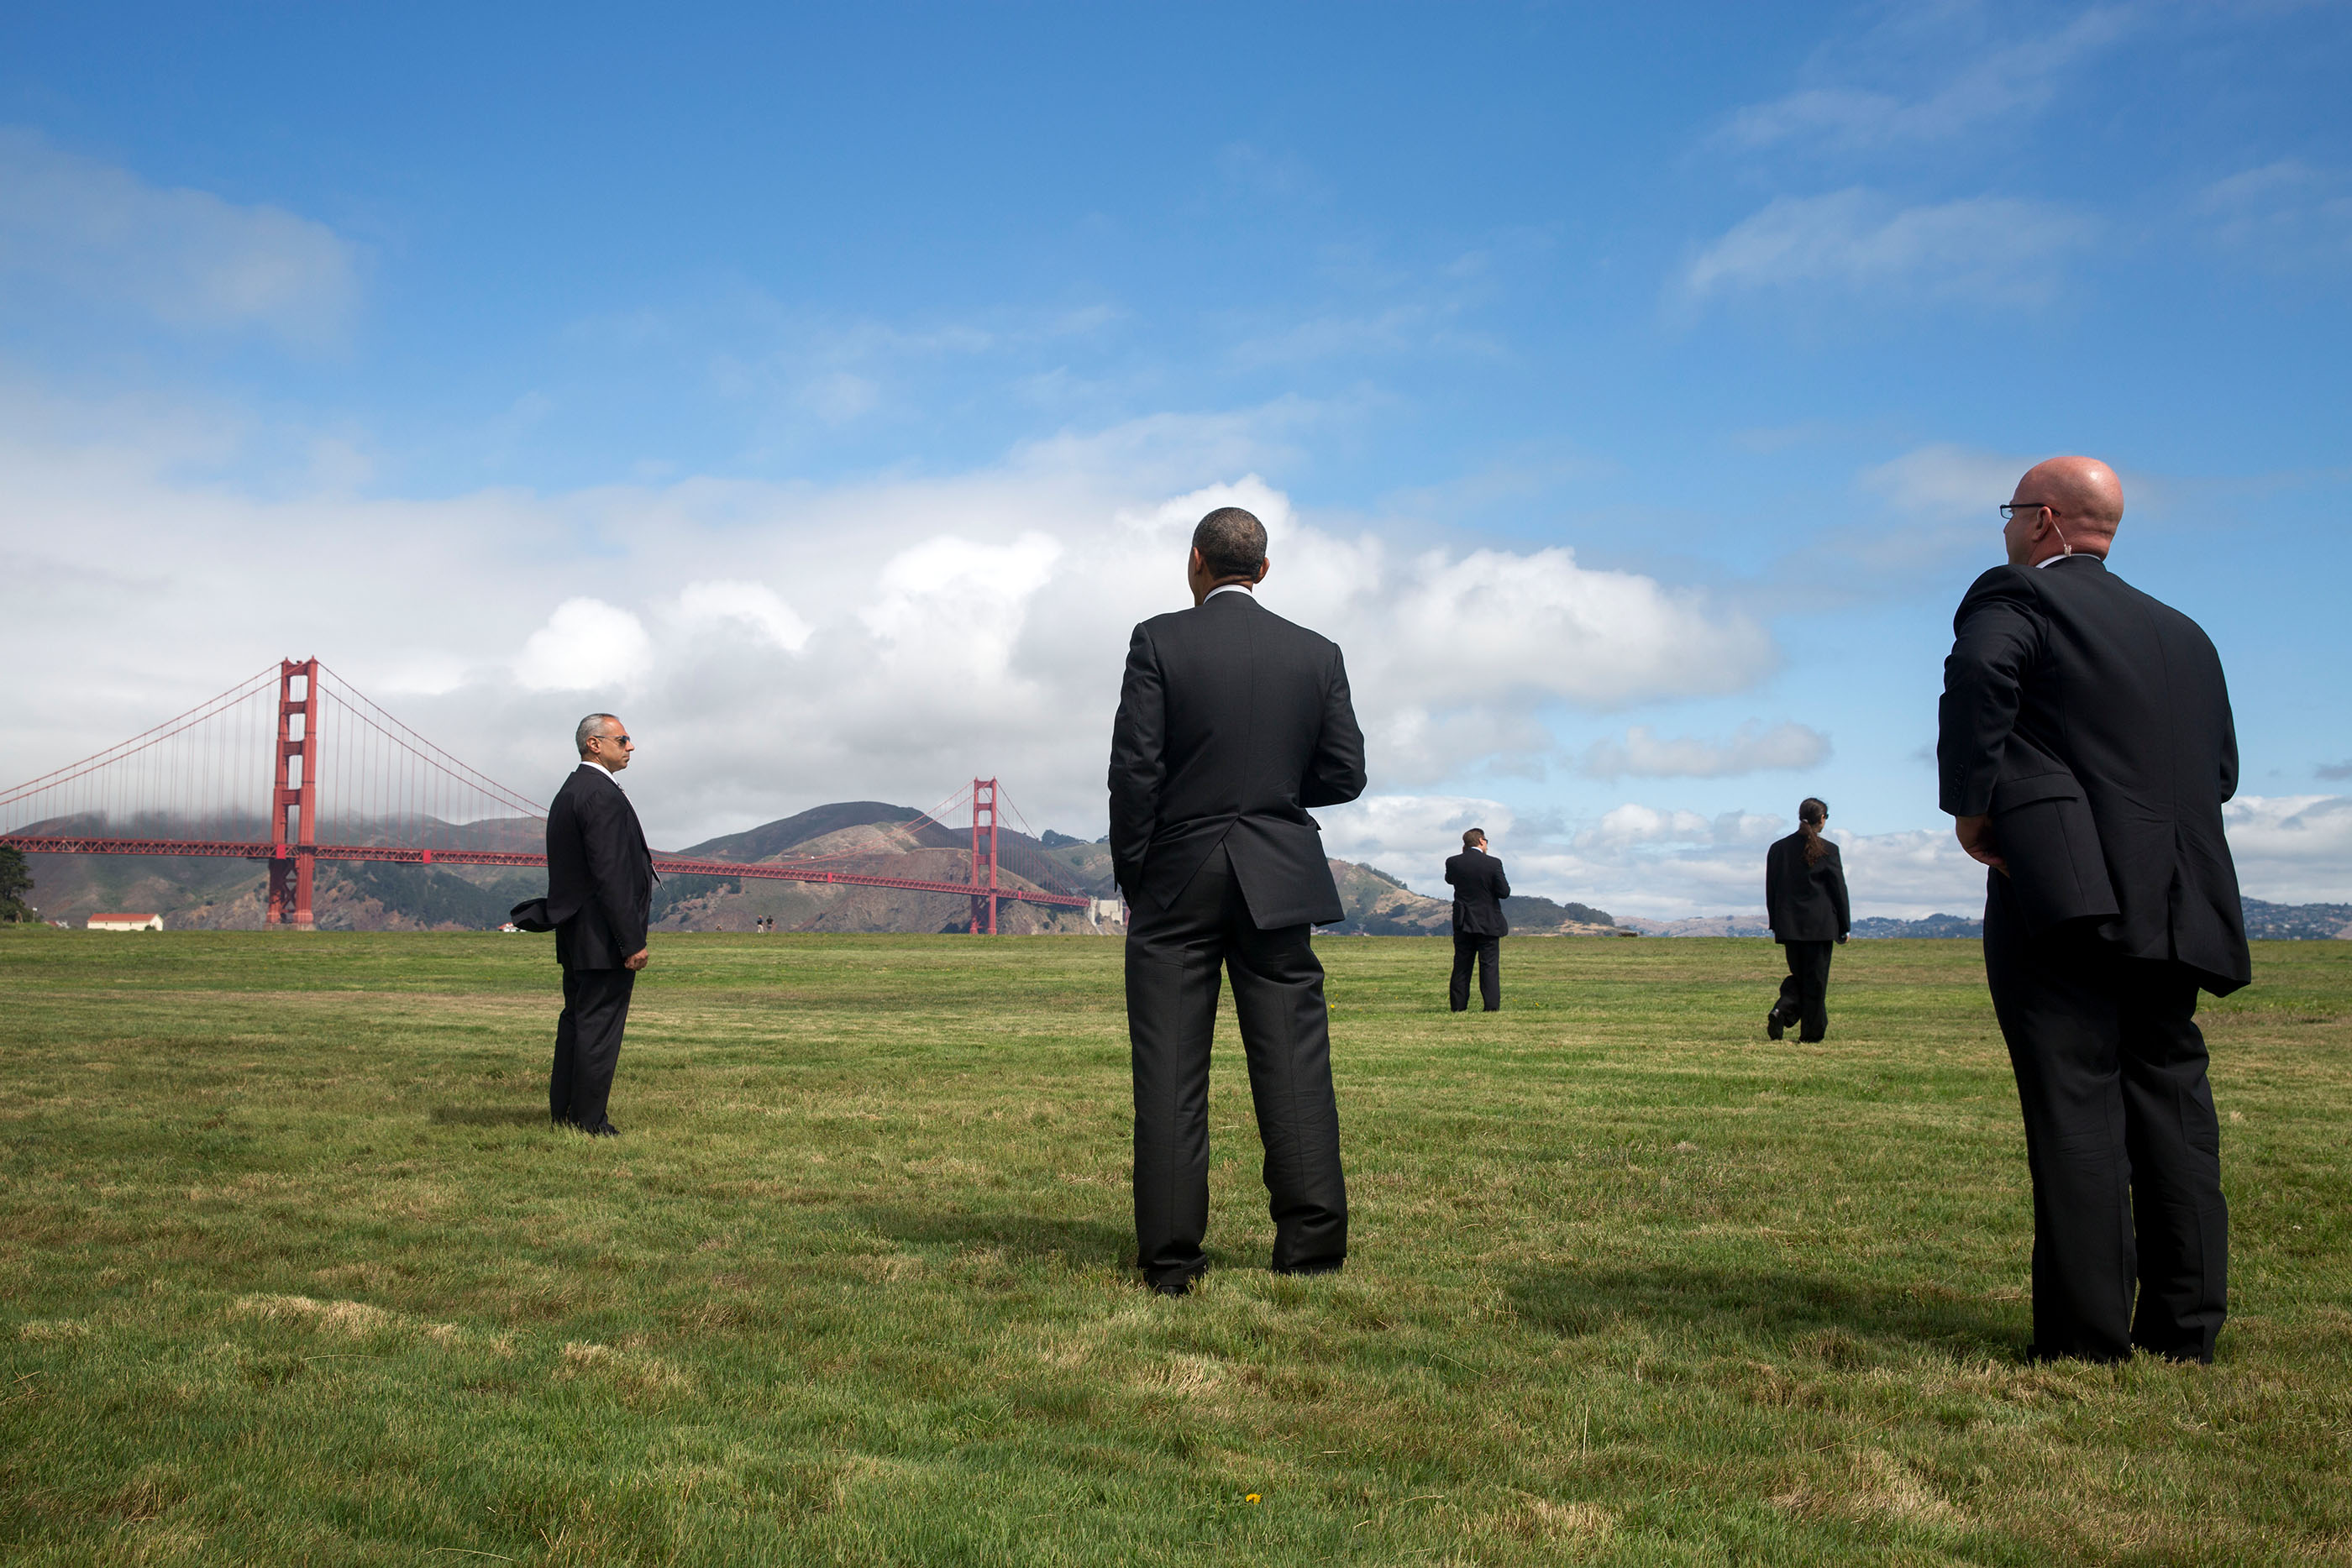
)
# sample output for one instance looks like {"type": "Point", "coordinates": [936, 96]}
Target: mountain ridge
{"type": "Point", "coordinates": [870, 836]}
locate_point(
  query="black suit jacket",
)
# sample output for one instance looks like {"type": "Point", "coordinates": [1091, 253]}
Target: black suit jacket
{"type": "Point", "coordinates": [1805, 903]}
{"type": "Point", "coordinates": [1232, 722]}
{"type": "Point", "coordinates": [2092, 723]}
{"type": "Point", "coordinates": [1479, 889]}
{"type": "Point", "coordinates": [600, 875]}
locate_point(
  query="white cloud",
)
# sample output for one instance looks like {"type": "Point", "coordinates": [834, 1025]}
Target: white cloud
{"type": "Point", "coordinates": [790, 363]}
{"type": "Point", "coordinates": [1942, 482]}
{"type": "Point", "coordinates": [778, 646]}
{"type": "Point", "coordinates": [1390, 332]}
{"type": "Point", "coordinates": [1411, 835]}
{"type": "Point", "coordinates": [188, 258]}
{"type": "Point", "coordinates": [1660, 862]}
{"type": "Point", "coordinates": [949, 588]}
{"type": "Point", "coordinates": [1932, 506]}
{"type": "Point", "coordinates": [1398, 330]}
{"type": "Point", "coordinates": [752, 606]}
{"type": "Point", "coordinates": [1623, 826]}
{"type": "Point", "coordinates": [1936, 507]}
{"type": "Point", "coordinates": [2292, 849]}
{"type": "Point", "coordinates": [1973, 85]}
{"type": "Point", "coordinates": [1602, 639]}
{"type": "Point", "coordinates": [1910, 524]}
{"type": "Point", "coordinates": [587, 645]}
{"type": "Point", "coordinates": [2284, 216]}
{"type": "Point", "coordinates": [1667, 862]}
{"type": "Point", "coordinates": [1752, 749]}
{"type": "Point", "coordinates": [1987, 249]}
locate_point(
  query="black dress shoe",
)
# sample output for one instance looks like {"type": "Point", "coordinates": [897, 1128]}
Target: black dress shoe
{"type": "Point", "coordinates": [1773, 1024]}
{"type": "Point", "coordinates": [602, 1129]}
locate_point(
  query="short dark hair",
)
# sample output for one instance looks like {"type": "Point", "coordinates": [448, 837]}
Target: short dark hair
{"type": "Point", "coordinates": [1232, 543]}
{"type": "Point", "coordinates": [1474, 836]}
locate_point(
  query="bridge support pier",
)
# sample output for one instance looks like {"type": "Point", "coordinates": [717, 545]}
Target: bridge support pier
{"type": "Point", "coordinates": [293, 815]}
{"type": "Point", "coordinates": [983, 806]}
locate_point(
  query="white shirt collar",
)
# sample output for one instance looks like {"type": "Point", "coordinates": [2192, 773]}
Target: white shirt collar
{"type": "Point", "coordinates": [1231, 588]}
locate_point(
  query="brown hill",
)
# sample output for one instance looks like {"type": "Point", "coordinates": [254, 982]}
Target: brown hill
{"type": "Point", "coordinates": [858, 838]}
{"type": "Point", "coordinates": [786, 835]}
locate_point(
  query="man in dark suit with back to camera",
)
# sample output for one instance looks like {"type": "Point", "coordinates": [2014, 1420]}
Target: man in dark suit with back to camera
{"type": "Point", "coordinates": [600, 889]}
{"type": "Point", "coordinates": [2085, 750]}
{"type": "Point", "coordinates": [1805, 900]}
{"type": "Point", "coordinates": [1232, 722]}
{"type": "Point", "coordinates": [1479, 889]}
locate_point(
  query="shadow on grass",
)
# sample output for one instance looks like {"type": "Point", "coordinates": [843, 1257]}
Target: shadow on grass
{"type": "Point", "coordinates": [1769, 1304]}
{"type": "Point", "coordinates": [490, 1115]}
{"type": "Point", "coordinates": [1081, 1243]}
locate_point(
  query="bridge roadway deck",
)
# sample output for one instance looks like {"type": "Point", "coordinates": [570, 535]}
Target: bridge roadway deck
{"type": "Point", "coordinates": [669, 865]}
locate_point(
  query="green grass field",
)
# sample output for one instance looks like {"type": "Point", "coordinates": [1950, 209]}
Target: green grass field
{"type": "Point", "coordinates": [293, 1271]}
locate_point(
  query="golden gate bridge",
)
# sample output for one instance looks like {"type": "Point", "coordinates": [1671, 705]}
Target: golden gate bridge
{"type": "Point", "coordinates": [293, 765]}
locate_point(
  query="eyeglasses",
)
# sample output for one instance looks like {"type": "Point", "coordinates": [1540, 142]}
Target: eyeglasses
{"type": "Point", "coordinates": [615, 739]}
{"type": "Point", "coordinates": [2010, 509]}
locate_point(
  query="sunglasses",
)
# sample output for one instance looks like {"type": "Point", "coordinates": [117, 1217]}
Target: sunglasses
{"type": "Point", "coordinates": [615, 739]}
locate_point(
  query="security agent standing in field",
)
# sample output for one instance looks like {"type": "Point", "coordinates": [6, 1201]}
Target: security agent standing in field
{"type": "Point", "coordinates": [2085, 750]}
{"type": "Point", "coordinates": [1479, 927]}
{"type": "Point", "coordinates": [1232, 722]}
{"type": "Point", "coordinates": [1804, 897]}
{"type": "Point", "coordinates": [600, 888]}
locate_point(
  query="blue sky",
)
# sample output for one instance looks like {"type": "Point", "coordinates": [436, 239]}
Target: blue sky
{"type": "Point", "coordinates": [1631, 388]}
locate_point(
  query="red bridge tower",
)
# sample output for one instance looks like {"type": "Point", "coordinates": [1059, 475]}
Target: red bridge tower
{"type": "Point", "coordinates": [983, 803]}
{"type": "Point", "coordinates": [294, 803]}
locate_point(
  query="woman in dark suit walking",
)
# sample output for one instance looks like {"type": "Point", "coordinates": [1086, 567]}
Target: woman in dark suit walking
{"type": "Point", "coordinates": [1804, 893]}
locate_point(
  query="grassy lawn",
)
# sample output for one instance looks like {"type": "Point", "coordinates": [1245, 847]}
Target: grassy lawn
{"type": "Point", "coordinates": [292, 1270]}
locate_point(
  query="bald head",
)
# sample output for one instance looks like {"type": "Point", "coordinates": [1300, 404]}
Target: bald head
{"type": "Point", "coordinates": [2066, 506]}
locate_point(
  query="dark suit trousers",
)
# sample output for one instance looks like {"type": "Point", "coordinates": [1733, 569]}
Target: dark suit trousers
{"type": "Point", "coordinates": [1488, 953]}
{"type": "Point", "coordinates": [1805, 994]}
{"type": "Point", "coordinates": [588, 1043]}
{"type": "Point", "coordinates": [2121, 1137]}
{"type": "Point", "coordinates": [1173, 959]}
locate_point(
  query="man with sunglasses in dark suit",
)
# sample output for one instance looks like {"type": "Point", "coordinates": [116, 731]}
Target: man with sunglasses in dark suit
{"type": "Point", "coordinates": [600, 883]}
{"type": "Point", "coordinates": [2085, 750]}
{"type": "Point", "coordinates": [1232, 722]}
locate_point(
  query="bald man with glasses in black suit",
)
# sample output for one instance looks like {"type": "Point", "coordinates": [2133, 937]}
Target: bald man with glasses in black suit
{"type": "Point", "coordinates": [2086, 748]}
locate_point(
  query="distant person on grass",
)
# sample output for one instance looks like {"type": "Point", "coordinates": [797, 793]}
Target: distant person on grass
{"type": "Point", "coordinates": [1232, 722]}
{"type": "Point", "coordinates": [1804, 898]}
{"type": "Point", "coordinates": [600, 888]}
{"type": "Point", "coordinates": [2085, 749]}
{"type": "Point", "coordinates": [1479, 927]}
